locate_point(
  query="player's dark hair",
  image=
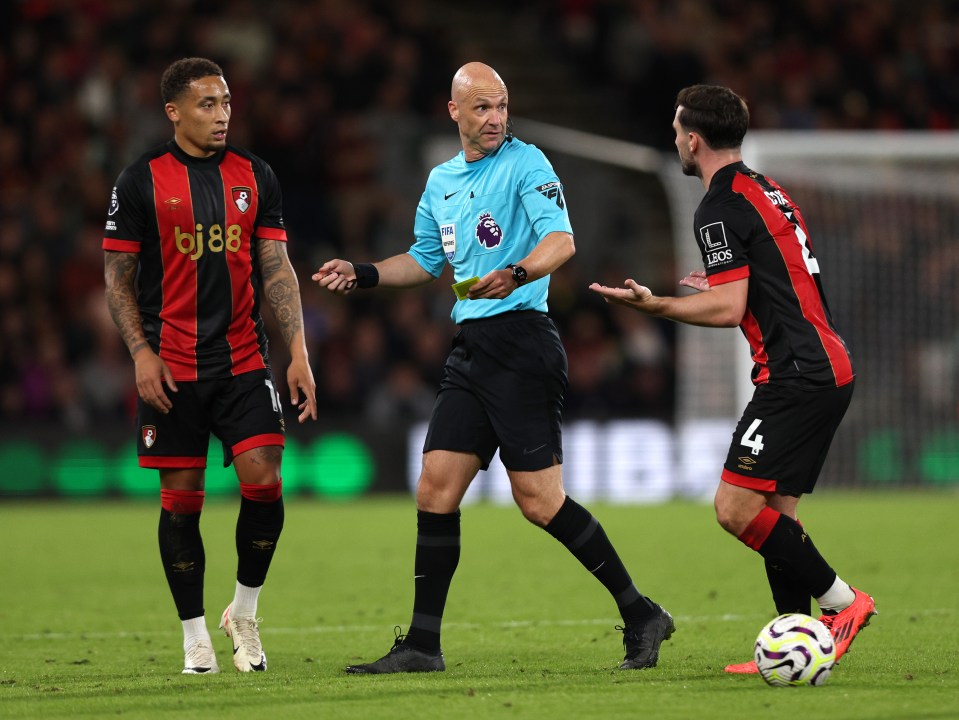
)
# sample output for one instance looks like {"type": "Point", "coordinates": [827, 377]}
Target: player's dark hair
{"type": "Point", "coordinates": [716, 113]}
{"type": "Point", "coordinates": [177, 78]}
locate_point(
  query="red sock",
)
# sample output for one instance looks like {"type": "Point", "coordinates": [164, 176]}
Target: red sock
{"type": "Point", "coordinates": [262, 493]}
{"type": "Point", "coordinates": [182, 502]}
{"type": "Point", "coordinates": [758, 530]}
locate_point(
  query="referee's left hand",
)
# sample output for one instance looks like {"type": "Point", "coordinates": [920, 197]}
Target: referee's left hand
{"type": "Point", "coordinates": [495, 285]}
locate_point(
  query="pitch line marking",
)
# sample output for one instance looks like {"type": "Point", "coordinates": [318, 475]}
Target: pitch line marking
{"type": "Point", "coordinates": [502, 624]}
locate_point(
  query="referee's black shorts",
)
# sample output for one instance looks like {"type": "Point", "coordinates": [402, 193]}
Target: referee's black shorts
{"type": "Point", "coordinates": [781, 441]}
{"type": "Point", "coordinates": [503, 386]}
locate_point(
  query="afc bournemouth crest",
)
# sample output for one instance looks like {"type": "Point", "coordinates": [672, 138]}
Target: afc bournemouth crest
{"type": "Point", "coordinates": [242, 197]}
{"type": "Point", "coordinates": [149, 433]}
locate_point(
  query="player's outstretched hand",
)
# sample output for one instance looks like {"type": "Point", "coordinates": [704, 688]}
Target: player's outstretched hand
{"type": "Point", "coordinates": [696, 280]}
{"type": "Point", "coordinates": [337, 276]}
{"type": "Point", "coordinates": [633, 295]}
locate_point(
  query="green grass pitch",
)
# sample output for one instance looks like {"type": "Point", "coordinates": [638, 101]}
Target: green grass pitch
{"type": "Point", "coordinates": [89, 629]}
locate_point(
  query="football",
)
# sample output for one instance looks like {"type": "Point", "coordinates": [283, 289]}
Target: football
{"type": "Point", "coordinates": [795, 649]}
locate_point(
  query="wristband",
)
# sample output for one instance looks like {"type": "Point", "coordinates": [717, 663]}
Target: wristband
{"type": "Point", "coordinates": [367, 276]}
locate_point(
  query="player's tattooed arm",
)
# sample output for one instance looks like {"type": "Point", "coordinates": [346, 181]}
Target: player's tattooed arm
{"type": "Point", "coordinates": [120, 269]}
{"type": "Point", "coordinates": [281, 288]}
{"type": "Point", "coordinates": [282, 291]}
{"type": "Point", "coordinates": [153, 375]}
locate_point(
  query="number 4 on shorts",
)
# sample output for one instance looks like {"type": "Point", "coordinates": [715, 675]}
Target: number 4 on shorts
{"type": "Point", "coordinates": [751, 440]}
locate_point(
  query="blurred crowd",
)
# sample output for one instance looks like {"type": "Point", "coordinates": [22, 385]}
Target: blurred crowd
{"type": "Point", "coordinates": [341, 98]}
{"type": "Point", "coordinates": [805, 64]}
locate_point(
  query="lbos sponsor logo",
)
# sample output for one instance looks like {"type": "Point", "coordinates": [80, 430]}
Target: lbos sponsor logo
{"type": "Point", "coordinates": [716, 249]}
{"type": "Point", "coordinates": [714, 258]}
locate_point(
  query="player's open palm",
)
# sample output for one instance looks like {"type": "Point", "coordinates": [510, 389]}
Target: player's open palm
{"type": "Point", "coordinates": [696, 280]}
{"type": "Point", "coordinates": [633, 295]}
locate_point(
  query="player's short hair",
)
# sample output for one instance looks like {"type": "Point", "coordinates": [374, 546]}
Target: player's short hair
{"type": "Point", "coordinates": [716, 113]}
{"type": "Point", "coordinates": [177, 78]}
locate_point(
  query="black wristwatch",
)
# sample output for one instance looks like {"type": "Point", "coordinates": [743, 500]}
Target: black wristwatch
{"type": "Point", "coordinates": [519, 273]}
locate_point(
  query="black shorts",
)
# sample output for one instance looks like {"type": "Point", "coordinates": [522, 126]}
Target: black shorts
{"type": "Point", "coordinates": [244, 412]}
{"type": "Point", "coordinates": [780, 444]}
{"type": "Point", "coordinates": [503, 386]}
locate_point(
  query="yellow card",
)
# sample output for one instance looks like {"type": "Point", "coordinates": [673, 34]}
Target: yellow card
{"type": "Point", "coordinates": [462, 287]}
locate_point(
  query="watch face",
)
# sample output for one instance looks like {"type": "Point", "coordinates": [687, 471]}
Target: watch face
{"type": "Point", "coordinates": [519, 274]}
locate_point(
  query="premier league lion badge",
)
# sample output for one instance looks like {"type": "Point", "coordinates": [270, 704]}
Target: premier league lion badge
{"type": "Point", "coordinates": [488, 233]}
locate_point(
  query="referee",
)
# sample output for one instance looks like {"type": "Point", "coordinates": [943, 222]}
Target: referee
{"type": "Point", "coordinates": [496, 213]}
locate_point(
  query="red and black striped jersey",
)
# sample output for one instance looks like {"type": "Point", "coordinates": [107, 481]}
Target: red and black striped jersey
{"type": "Point", "coordinates": [195, 224]}
{"type": "Point", "coordinates": [748, 227]}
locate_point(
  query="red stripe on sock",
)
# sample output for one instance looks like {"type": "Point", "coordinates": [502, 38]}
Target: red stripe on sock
{"type": "Point", "coordinates": [184, 502]}
{"type": "Point", "coordinates": [262, 493]}
{"type": "Point", "coordinates": [758, 530]}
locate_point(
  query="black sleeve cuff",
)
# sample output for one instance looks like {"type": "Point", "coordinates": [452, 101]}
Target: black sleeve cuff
{"type": "Point", "coordinates": [367, 276]}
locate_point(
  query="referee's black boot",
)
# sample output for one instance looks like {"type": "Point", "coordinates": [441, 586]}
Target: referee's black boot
{"type": "Point", "coordinates": [642, 639]}
{"type": "Point", "coordinates": [402, 658]}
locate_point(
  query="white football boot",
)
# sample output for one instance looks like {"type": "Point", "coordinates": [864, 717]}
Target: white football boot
{"type": "Point", "coordinates": [199, 659]}
{"type": "Point", "coordinates": [248, 655]}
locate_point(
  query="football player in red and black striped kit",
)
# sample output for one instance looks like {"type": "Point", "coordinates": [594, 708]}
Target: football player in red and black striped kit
{"type": "Point", "coordinates": [761, 274]}
{"type": "Point", "coordinates": [194, 238]}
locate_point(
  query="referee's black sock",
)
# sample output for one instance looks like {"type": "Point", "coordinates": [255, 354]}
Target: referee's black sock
{"type": "Point", "coordinates": [581, 533]}
{"type": "Point", "coordinates": [783, 542]}
{"type": "Point", "coordinates": [437, 555]}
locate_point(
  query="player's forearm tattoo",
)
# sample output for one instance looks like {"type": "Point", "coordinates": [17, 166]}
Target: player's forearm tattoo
{"type": "Point", "coordinates": [281, 288]}
{"type": "Point", "coordinates": [120, 272]}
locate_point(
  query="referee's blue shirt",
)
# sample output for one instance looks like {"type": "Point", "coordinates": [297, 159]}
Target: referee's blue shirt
{"type": "Point", "coordinates": [483, 215]}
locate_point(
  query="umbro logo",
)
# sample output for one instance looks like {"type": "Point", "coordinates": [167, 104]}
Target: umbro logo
{"type": "Point", "coordinates": [447, 196]}
{"type": "Point", "coordinates": [172, 202]}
